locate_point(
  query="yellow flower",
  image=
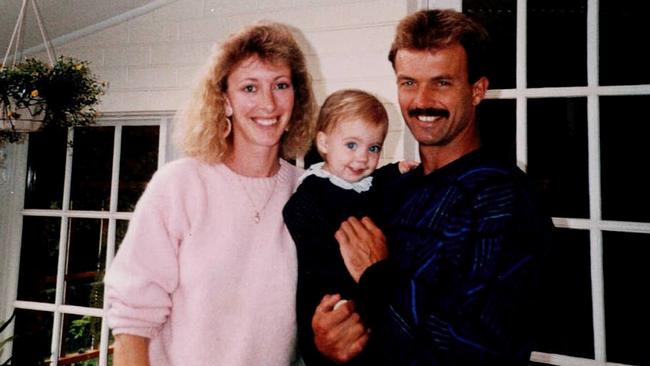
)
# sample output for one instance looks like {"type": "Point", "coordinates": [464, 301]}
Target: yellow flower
{"type": "Point", "coordinates": [34, 93]}
{"type": "Point", "coordinates": [78, 67]}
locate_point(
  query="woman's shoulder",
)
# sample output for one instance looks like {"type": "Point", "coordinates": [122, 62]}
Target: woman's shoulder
{"type": "Point", "coordinates": [179, 174]}
{"type": "Point", "coordinates": [290, 172]}
{"type": "Point", "coordinates": [182, 168]}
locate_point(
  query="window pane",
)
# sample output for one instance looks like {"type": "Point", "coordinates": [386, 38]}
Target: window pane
{"type": "Point", "coordinates": [567, 324]}
{"type": "Point", "coordinates": [45, 169]}
{"type": "Point", "coordinates": [32, 338]}
{"type": "Point", "coordinates": [623, 60]}
{"type": "Point", "coordinates": [624, 131]}
{"type": "Point", "coordinates": [138, 162]}
{"type": "Point", "coordinates": [557, 43]}
{"type": "Point", "coordinates": [500, 19]}
{"type": "Point", "coordinates": [86, 262]}
{"type": "Point", "coordinates": [557, 154]}
{"type": "Point", "coordinates": [91, 168]}
{"type": "Point", "coordinates": [497, 126]}
{"type": "Point", "coordinates": [625, 257]}
{"type": "Point", "coordinates": [38, 259]}
{"type": "Point", "coordinates": [122, 226]}
{"type": "Point", "coordinates": [80, 340]}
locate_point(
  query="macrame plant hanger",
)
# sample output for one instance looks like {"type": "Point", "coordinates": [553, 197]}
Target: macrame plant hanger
{"type": "Point", "coordinates": [15, 40]}
{"type": "Point", "coordinates": [14, 46]}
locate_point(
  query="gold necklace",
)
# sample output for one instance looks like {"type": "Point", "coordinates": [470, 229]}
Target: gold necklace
{"type": "Point", "coordinates": [258, 211]}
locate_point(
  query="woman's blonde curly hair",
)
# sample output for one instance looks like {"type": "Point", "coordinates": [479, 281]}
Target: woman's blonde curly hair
{"type": "Point", "coordinates": [204, 128]}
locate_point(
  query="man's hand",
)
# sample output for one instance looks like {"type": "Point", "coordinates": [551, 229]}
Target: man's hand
{"type": "Point", "coordinates": [361, 243]}
{"type": "Point", "coordinates": [338, 334]}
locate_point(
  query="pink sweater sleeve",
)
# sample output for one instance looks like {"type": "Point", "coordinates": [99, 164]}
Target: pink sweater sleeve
{"type": "Point", "coordinates": [145, 270]}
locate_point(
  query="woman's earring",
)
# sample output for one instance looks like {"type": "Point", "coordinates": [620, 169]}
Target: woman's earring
{"type": "Point", "coordinates": [228, 127]}
{"type": "Point", "coordinates": [229, 112]}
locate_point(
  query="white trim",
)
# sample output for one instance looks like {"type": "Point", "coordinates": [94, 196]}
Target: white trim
{"type": "Point", "coordinates": [78, 214]}
{"type": "Point", "coordinates": [115, 168]}
{"type": "Point", "coordinates": [51, 308]}
{"type": "Point", "coordinates": [561, 360]}
{"type": "Point", "coordinates": [595, 214]}
{"type": "Point", "coordinates": [63, 255]}
{"type": "Point", "coordinates": [521, 111]}
{"type": "Point", "coordinates": [134, 116]}
{"type": "Point", "coordinates": [602, 225]}
{"type": "Point", "coordinates": [573, 91]}
{"type": "Point", "coordinates": [110, 245]}
{"type": "Point", "coordinates": [163, 137]}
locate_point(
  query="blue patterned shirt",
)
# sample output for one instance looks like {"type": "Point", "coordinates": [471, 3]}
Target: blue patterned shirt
{"type": "Point", "coordinates": [461, 282]}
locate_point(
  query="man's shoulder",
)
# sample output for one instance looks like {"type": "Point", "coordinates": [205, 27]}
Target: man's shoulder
{"type": "Point", "coordinates": [486, 171]}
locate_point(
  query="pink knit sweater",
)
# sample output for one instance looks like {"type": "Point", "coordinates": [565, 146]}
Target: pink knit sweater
{"type": "Point", "coordinates": [198, 276]}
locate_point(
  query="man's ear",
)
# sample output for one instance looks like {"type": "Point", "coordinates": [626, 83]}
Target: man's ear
{"type": "Point", "coordinates": [321, 142]}
{"type": "Point", "coordinates": [479, 88]}
{"type": "Point", "coordinates": [228, 108]}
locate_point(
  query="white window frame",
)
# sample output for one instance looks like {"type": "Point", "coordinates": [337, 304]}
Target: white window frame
{"type": "Point", "coordinates": [14, 187]}
{"type": "Point", "coordinates": [594, 224]}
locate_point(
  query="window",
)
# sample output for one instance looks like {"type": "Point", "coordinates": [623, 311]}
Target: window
{"type": "Point", "coordinates": [80, 190]}
{"type": "Point", "coordinates": [567, 100]}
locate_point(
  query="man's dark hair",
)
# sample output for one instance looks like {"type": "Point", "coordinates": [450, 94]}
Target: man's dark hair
{"type": "Point", "coordinates": [431, 29]}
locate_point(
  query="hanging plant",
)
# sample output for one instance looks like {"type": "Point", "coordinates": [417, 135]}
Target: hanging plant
{"type": "Point", "coordinates": [37, 96]}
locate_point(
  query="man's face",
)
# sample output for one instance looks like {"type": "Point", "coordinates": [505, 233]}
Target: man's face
{"type": "Point", "coordinates": [436, 99]}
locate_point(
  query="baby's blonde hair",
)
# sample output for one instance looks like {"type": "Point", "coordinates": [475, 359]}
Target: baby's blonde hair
{"type": "Point", "coordinates": [347, 104]}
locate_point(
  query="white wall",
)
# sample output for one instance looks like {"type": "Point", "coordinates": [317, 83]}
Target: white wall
{"type": "Point", "coordinates": [151, 61]}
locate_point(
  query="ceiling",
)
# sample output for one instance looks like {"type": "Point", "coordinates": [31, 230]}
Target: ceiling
{"type": "Point", "coordinates": [60, 17]}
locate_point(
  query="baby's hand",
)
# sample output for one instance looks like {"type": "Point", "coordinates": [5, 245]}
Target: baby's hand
{"type": "Point", "coordinates": [406, 166]}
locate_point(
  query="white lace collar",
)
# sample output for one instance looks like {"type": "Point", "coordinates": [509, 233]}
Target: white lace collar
{"type": "Point", "coordinates": [317, 170]}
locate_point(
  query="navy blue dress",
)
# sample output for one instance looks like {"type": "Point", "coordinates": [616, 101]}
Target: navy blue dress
{"type": "Point", "coordinates": [313, 214]}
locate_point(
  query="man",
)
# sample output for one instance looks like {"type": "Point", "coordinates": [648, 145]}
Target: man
{"type": "Point", "coordinates": [464, 233]}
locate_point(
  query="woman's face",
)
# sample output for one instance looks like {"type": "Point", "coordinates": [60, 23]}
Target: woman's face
{"type": "Point", "coordinates": [259, 100]}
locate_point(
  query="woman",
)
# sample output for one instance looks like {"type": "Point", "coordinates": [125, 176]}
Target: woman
{"type": "Point", "coordinates": [206, 274]}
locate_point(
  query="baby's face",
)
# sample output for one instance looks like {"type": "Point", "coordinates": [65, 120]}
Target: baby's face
{"type": "Point", "coordinates": [352, 149]}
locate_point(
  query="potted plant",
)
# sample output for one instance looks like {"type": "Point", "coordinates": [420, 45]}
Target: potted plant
{"type": "Point", "coordinates": [37, 96]}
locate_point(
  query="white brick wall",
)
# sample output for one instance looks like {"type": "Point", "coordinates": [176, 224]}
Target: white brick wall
{"type": "Point", "coordinates": [151, 62]}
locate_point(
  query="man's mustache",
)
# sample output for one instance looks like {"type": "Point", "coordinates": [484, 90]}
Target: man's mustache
{"type": "Point", "coordinates": [429, 112]}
